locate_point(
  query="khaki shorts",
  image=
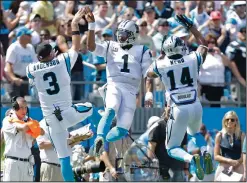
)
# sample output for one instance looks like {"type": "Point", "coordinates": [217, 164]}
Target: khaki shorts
{"type": "Point", "coordinates": [50, 173]}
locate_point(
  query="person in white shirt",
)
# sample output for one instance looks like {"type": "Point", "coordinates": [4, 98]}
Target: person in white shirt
{"type": "Point", "coordinates": [18, 163]}
{"type": "Point", "coordinates": [50, 170]}
{"type": "Point", "coordinates": [126, 64]}
{"type": "Point", "coordinates": [19, 55]}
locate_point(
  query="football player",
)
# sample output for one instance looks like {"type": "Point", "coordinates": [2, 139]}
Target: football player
{"type": "Point", "coordinates": [126, 65]}
{"type": "Point", "coordinates": [51, 76]}
{"type": "Point", "coordinates": [178, 71]}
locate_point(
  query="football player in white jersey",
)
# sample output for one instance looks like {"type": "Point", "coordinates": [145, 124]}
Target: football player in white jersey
{"type": "Point", "coordinates": [51, 76]}
{"type": "Point", "coordinates": [178, 71]}
{"type": "Point", "coordinates": [126, 65]}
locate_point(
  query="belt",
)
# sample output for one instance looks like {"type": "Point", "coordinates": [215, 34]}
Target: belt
{"type": "Point", "coordinates": [58, 165]}
{"type": "Point", "coordinates": [15, 158]}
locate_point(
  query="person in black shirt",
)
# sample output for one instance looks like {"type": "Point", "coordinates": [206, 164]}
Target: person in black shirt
{"type": "Point", "coordinates": [156, 142]}
{"type": "Point", "coordinates": [236, 52]}
{"type": "Point", "coordinates": [63, 45]}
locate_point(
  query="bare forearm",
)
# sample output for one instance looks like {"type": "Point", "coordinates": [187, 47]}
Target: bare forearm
{"type": "Point", "coordinates": [104, 157]}
{"type": "Point", "coordinates": [9, 72]}
{"type": "Point", "coordinates": [45, 145]}
{"type": "Point", "coordinates": [149, 84]}
{"type": "Point", "coordinates": [91, 41]}
{"type": "Point", "coordinates": [75, 37]}
{"type": "Point", "coordinates": [221, 159]}
{"type": "Point", "coordinates": [220, 40]}
{"type": "Point", "coordinates": [100, 67]}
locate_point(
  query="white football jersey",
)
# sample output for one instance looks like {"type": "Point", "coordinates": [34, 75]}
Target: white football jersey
{"type": "Point", "coordinates": [124, 66]}
{"type": "Point", "coordinates": [52, 81]}
{"type": "Point", "coordinates": [179, 76]}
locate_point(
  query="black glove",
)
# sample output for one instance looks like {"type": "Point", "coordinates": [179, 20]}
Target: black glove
{"type": "Point", "coordinates": [184, 20]}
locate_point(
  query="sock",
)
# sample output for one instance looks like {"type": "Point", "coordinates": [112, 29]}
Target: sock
{"type": "Point", "coordinates": [105, 123]}
{"type": "Point", "coordinates": [95, 118]}
{"type": "Point", "coordinates": [116, 133]}
{"type": "Point", "coordinates": [179, 154]}
{"type": "Point", "coordinates": [66, 169]}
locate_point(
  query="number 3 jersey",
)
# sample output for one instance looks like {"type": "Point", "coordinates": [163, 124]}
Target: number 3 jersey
{"type": "Point", "coordinates": [52, 81]}
{"type": "Point", "coordinates": [124, 66]}
{"type": "Point", "coordinates": [179, 77]}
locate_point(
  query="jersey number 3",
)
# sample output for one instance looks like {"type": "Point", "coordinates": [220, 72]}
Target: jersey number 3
{"type": "Point", "coordinates": [185, 78]}
{"type": "Point", "coordinates": [53, 83]}
{"type": "Point", "coordinates": [125, 65]}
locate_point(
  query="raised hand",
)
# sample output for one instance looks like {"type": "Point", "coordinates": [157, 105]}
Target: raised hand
{"type": "Point", "coordinates": [89, 15]}
{"type": "Point", "coordinates": [78, 15]}
{"type": "Point", "coordinates": [184, 20]}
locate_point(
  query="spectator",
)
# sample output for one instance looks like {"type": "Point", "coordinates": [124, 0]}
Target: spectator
{"type": "Point", "coordinates": [45, 36]}
{"type": "Point", "coordinates": [215, 27]}
{"type": "Point", "coordinates": [59, 9]}
{"type": "Point", "coordinates": [244, 159]}
{"type": "Point", "coordinates": [144, 39]}
{"type": "Point", "coordinates": [6, 25]}
{"type": "Point", "coordinates": [239, 13]}
{"type": "Point", "coordinates": [163, 30]}
{"type": "Point", "coordinates": [63, 45]}
{"type": "Point", "coordinates": [228, 143]}
{"type": "Point", "coordinates": [149, 17]}
{"type": "Point", "coordinates": [156, 143]}
{"type": "Point", "coordinates": [211, 75]}
{"type": "Point", "coordinates": [50, 166]}
{"type": "Point", "coordinates": [210, 6]}
{"type": "Point", "coordinates": [45, 9]}
{"type": "Point", "coordinates": [179, 8]}
{"type": "Point", "coordinates": [152, 122]}
{"type": "Point", "coordinates": [129, 14]}
{"type": "Point", "coordinates": [72, 7]}
{"type": "Point", "coordinates": [18, 164]}
{"type": "Point", "coordinates": [199, 14]}
{"type": "Point", "coordinates": [19, 55]}
{"type": "Point", "coordinates": [35, 26]}
{"type": "Point", "coordinates": [24, 10]}
{"type": "Point", "coordinates": [162, 10]}
{"type": "Point", "coordinates": [236, 52]}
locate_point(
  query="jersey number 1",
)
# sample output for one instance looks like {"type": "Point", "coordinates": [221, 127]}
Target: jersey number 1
{"type": "Point", "coordinates": [185, 78]}
{"type": "Point", "coordinates": [53, 83]}
{"type": "Point", "coordinates": [125, 65]}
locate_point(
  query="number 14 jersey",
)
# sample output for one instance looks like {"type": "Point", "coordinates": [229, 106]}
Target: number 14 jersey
{"type": "Point", "coordinates": [124, 66]}
{"type": "Point", "coordinates": [52, 81]}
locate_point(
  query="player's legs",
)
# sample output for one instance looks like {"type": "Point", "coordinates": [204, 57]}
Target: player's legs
{"type": "Point", "coordinates": [195, 121]}
{"type": "Point", "coordinates": [112, 103]}
{"type": "Point", "coordinates": [58, 136]}
{"type": "Point", "coordinates": [175, 131]}
{"type": "Point", "coordinates": [124, 116]}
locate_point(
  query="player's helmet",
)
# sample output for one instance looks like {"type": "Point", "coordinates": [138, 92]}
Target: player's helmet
{"type": "Point", "coordinates": [127, 32]}
{"type": "Point", "coordinates": [174, 46]}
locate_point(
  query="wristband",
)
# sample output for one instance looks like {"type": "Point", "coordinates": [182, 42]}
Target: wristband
{"type": "Point", "coordinates": [91, 26]}
{"type": "Point", "coordinates": [75, 33]}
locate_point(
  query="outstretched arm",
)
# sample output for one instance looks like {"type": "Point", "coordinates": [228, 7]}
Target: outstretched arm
{"type": "Point", "coordinates": [188, 24]}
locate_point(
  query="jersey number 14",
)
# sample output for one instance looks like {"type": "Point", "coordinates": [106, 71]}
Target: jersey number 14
{"type": "Point", "coordinates": [185, 78]}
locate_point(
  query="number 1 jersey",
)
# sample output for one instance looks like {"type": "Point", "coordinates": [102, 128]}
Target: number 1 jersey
{"type": "Point", "coordinates": [52, 80]}
{"type": "Point", "coordinates": [124, 66]}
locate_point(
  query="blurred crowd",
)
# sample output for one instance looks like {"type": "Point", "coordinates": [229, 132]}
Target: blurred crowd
{"type": "Point", "coordinates": [25, 24]}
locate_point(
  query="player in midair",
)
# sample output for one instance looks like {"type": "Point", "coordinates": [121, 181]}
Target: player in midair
{"type": "Point", "coordinates": [51, 77]}
{"type": "Point", "coordinates": [126, 65]}
{"type": "Point", "coordinates": [178, 71]}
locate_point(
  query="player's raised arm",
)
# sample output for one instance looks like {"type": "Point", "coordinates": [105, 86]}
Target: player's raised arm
{"type": "Point", "coordinates": [188, 24]}
{"type": "Point", "coordinates": [98, 49]}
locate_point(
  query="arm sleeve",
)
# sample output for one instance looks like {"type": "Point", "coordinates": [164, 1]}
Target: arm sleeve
{"type": "Point", "coordinates": [199, 59]}
{"type": "Point", "coordinates": [146, 61]}
{"type": "Point", "coordinates": [11, 55]}
{"type": "Point", "coordinates": [101, 49]}
{"type": "Point", "coordinates": [155, 68]}
{"type": "Point", "coordinates": [231, 53]}
{"type": "Point", "coordinates": [71, 58]}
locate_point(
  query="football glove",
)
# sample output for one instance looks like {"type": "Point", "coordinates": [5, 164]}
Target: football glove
{"type": "Point", "coordinates": [184, 20]}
